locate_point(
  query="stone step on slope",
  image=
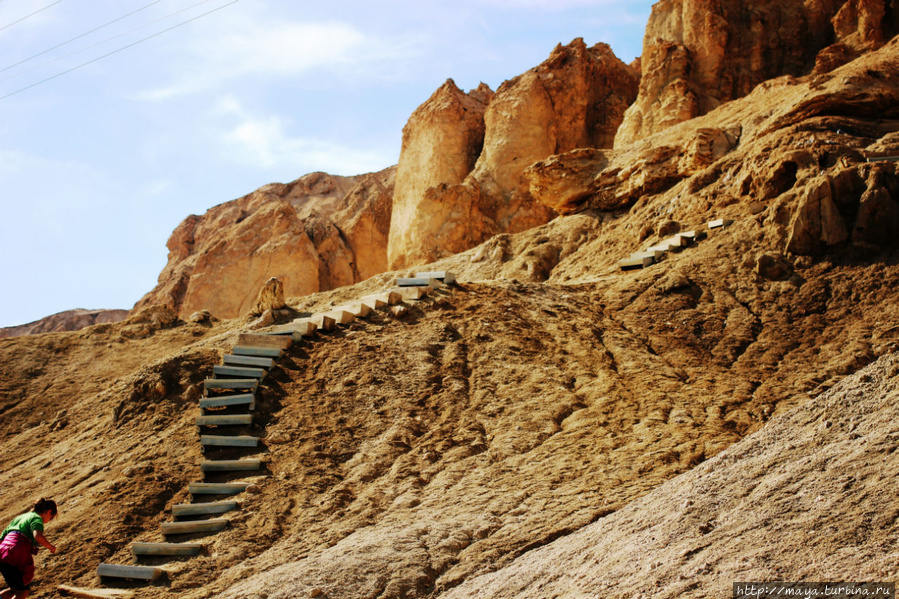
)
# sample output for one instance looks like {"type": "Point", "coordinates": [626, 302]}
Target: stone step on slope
{"type": "Point", "coordinates": [166, 549]}
{"type": "Point", "coordinates": [228, 441]}
{"type": "Point", "coordinates": [630, 263]}
{"type": "Point", "coordinates": [442, 275]}
{"type": "Point", "coordinates": [93, 593]}
{"type": "Point", "coordinates": [217, 488]}
{"type": "Point", "coordinates": [358, 310]}
{"type": "Point", "coordinates": [230, 465]}
{"type": "Point", "coordinates": [418, 282]}
{"type": "Point", "coordinates": [323, 322]}
{"type": "Point", "coordinates": [374, 303]}
{"type": "Point", "coordinates": [183, 510]}
{"type": "Point", "coordinates": [412, 293]}
{"type": "Point", "coordinates": [224, 401]}
{"type": "Point", "coordinates": [146, 573]}
{"type": "Point", "coordinates": [194, 527]}
{"type": "Point", "coordinates": [883, 158]}
{"type": "Point", "coordinates": [301, 327]}
{"type": "Point", "coordinates": [390, 298]}
{"type": "Point", "coordinates": [250, 350]}
{"type": "Point", "coordinates": [225, 420]}
{"type": "Point", "coordinates": [341, 316]}
{"type": "Point", "coordinates": [231, 385]}
{"type": "Point", "coordinates": [257, 340]}
{"type": "Point", "coordinates": [719, 223]}
{"type": "Point", "coordinates": [253, 361]}
{"type": "Point", "coordinates": [237, 372]}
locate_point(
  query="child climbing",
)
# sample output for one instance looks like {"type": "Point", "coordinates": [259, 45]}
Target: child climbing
{"type": "Point", "coordinates": [18, 543]}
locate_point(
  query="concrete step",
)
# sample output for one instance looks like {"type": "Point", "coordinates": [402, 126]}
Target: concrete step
{"type": "Point", "coordinates": [249, 350]}
{"type": "Point", "coordinates": [217, 488]}
{"type": "Point", "coordinates": [188, 549]}
{"type": "Point", "coordinates": [228, 441]}
{"type": "Point", "coordinates": [412, 293]}
{"type": "Point", "coordinates": [655, 254]}
{"type": "Point", "coordinates": [203, 509]}
{"type": "Point", "coordinates": [341, 316]}
{"type": "Point", "coordinates": [130, 572]}
{"type": "Point", "coordinates": [222, 401]}
{"type": "Point", "coordinates": [225, 420]}
{"type": "Point", "coordinates": [721, 222]}
{"type": "Point", "coordinates": [883, 158]}
{"type": "Point", "coordinates": [253, 361]}
{"type": "Point", "coordinates": [374, 302]}
{"type": "Point", "coordinates": [186, 528]}
{"type": "Point", "coordinates": [237, 372]}
{"type": "Point", "coordinates": [629, 263]}
{"type": "Point", "coordinates": [94, 593]}
{"type": "Point", "coordinates": [300, 327]}
{"type": "Point", "coordinates": [323, 322]}
{"type": "Point", "coordinates": [442, 275]}
{"type": "Point", "coordinates": [358, 310]}
{"type": "Point", "coordinates": [257, 340]}
{"type": "Point", "coordinates": [231, 384]}
{"type": "Point", "coordinates": [230, 465]}
{"type": "Point", "coordinates": [418, 282]}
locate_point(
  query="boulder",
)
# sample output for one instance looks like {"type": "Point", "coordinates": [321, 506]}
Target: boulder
{"type": "Point", "coordinates": [271, 297]}
{"type": "Point", "coordinates": [817, 222]}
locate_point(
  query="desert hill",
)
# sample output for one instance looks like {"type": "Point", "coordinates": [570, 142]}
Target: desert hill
{"type": "Point", "coordinates": [552, 425]}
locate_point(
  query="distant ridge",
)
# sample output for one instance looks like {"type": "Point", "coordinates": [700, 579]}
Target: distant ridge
{"type": "Point", "coordinates": [70, 320]}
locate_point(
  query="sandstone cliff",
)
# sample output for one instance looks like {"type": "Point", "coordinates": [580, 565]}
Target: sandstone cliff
{"type": "Point", "coordinates": [317, 233]}
{"type": "Point", "coordinates": [699, 54]}
{"type": "Point", "coordinates": [575, 99]}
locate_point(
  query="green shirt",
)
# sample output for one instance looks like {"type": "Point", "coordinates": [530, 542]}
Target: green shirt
{"type": "Point", "coordinates": [27, 524]}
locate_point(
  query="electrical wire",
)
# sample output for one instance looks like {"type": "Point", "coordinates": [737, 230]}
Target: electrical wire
{"type": "Point", "coordinates": [100, 43]}
{"type": "Point", "coordinates": [78, 37]}
{"type": "Point", "coordinates": [29, 16]}
{"type": "Point", "coordinates": [131, 45]}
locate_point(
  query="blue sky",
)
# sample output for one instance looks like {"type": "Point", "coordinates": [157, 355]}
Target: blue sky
{"type": "Point", "coordinates": [98, 165]}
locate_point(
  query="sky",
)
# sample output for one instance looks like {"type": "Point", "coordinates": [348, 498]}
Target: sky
{"type": "Point", "coordinates": [119, 118]}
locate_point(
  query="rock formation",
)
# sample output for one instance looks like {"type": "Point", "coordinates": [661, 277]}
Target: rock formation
{"type": "Point", "coordinates": [699, 54]}
{"type": "Point", "coordinates": [70, 320]}
{"type": "Point", "coordinates": [575, 99]}
{"type": "Point", "coordinates": [271, 297]}
{"type": "Point", "coordinates": [317, 233]}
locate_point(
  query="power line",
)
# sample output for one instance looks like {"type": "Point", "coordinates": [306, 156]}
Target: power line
{"type": "Point", "coordinates": [149, 37]}
{"type": "Point", "coordinates": [100, 43]}
{"type": "Point", "coordinates": [31, 15]}
{"type": "Point", "coordinates": [78, 37]}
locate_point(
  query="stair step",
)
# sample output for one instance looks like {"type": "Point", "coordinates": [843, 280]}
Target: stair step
{"type": "Point", "coordinates": [166, 548]}
{"type": "Point", "coordinates": [257, 340]}
{"type": "Point", "coordinates": [412, 293]}
{"type": "Point", "coordinates": [266, 363]}
{"type": "Point", "coordinates": [642, 262]}
{"type": "Point", "coordinates": [238, 372]}
{"type": "Point", "coordinates": [229, 441]}
{"type": "Point", "coordinates": [204, 509]}
{"type": "Point", "coordinates": [229, 465]}
{"type": "Point", "coordinates": [225, 420]}
{"type": "Point", "coordinates": [93, 593]}
{"type": "Point", "coordinates": [250, 350]}
{"type": "Point", "coordinates": [374, 302]}
{"type": "Point", "coordinates": [131, 572]}
{"type": "Point", "coordinates": [217, 488]}
{"type": "Point", "coordinates": [358, 309]}
{"type": "Point", "coordinates": [230, 384]}
{"type": "Point", "coordinates": [443, 275]}
{"type": "Point", "coordinates": [246, 399]}
{"type": "Point", "coordinates": [300, 327]}
{"type": "Point", "coordinates": [418, 282]}
{"type": "Point", "coordinates": [721, 222]}
{"type": "Point", "coordinates": [341, 316]}
{"type": "Point", "coordinates": [185, 528]}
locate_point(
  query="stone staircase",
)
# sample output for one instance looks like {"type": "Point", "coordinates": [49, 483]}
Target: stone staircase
{"type": "Point", "coordinates": [228, 405]}
{"type": "Point", "coordinates": [675, 243]}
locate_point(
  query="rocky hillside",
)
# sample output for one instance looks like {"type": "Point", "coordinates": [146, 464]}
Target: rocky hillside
{"type": "Point", "coordinates": [553, 425]}
{"type": "Point", "coordinates": [70, 320]}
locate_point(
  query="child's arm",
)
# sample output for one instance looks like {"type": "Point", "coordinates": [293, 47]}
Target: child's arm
{"type": "Point", "coordinates": [40, 538]}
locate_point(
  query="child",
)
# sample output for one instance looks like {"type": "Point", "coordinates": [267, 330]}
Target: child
{"type": "Point", "coordinates": [18, 543]}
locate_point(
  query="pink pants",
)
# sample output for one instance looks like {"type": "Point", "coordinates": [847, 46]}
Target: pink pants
{"type": "Point", "coordinates": [15, 550]}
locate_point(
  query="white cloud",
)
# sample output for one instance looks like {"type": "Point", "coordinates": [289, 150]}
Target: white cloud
{"type": "Point", "coordinates": [253, 49]}
{"type": "Point", "coordinates": [264, 141]}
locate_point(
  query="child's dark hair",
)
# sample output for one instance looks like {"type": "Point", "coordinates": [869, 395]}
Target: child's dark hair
{"type": "Point", "coordinates": [44, 505]}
